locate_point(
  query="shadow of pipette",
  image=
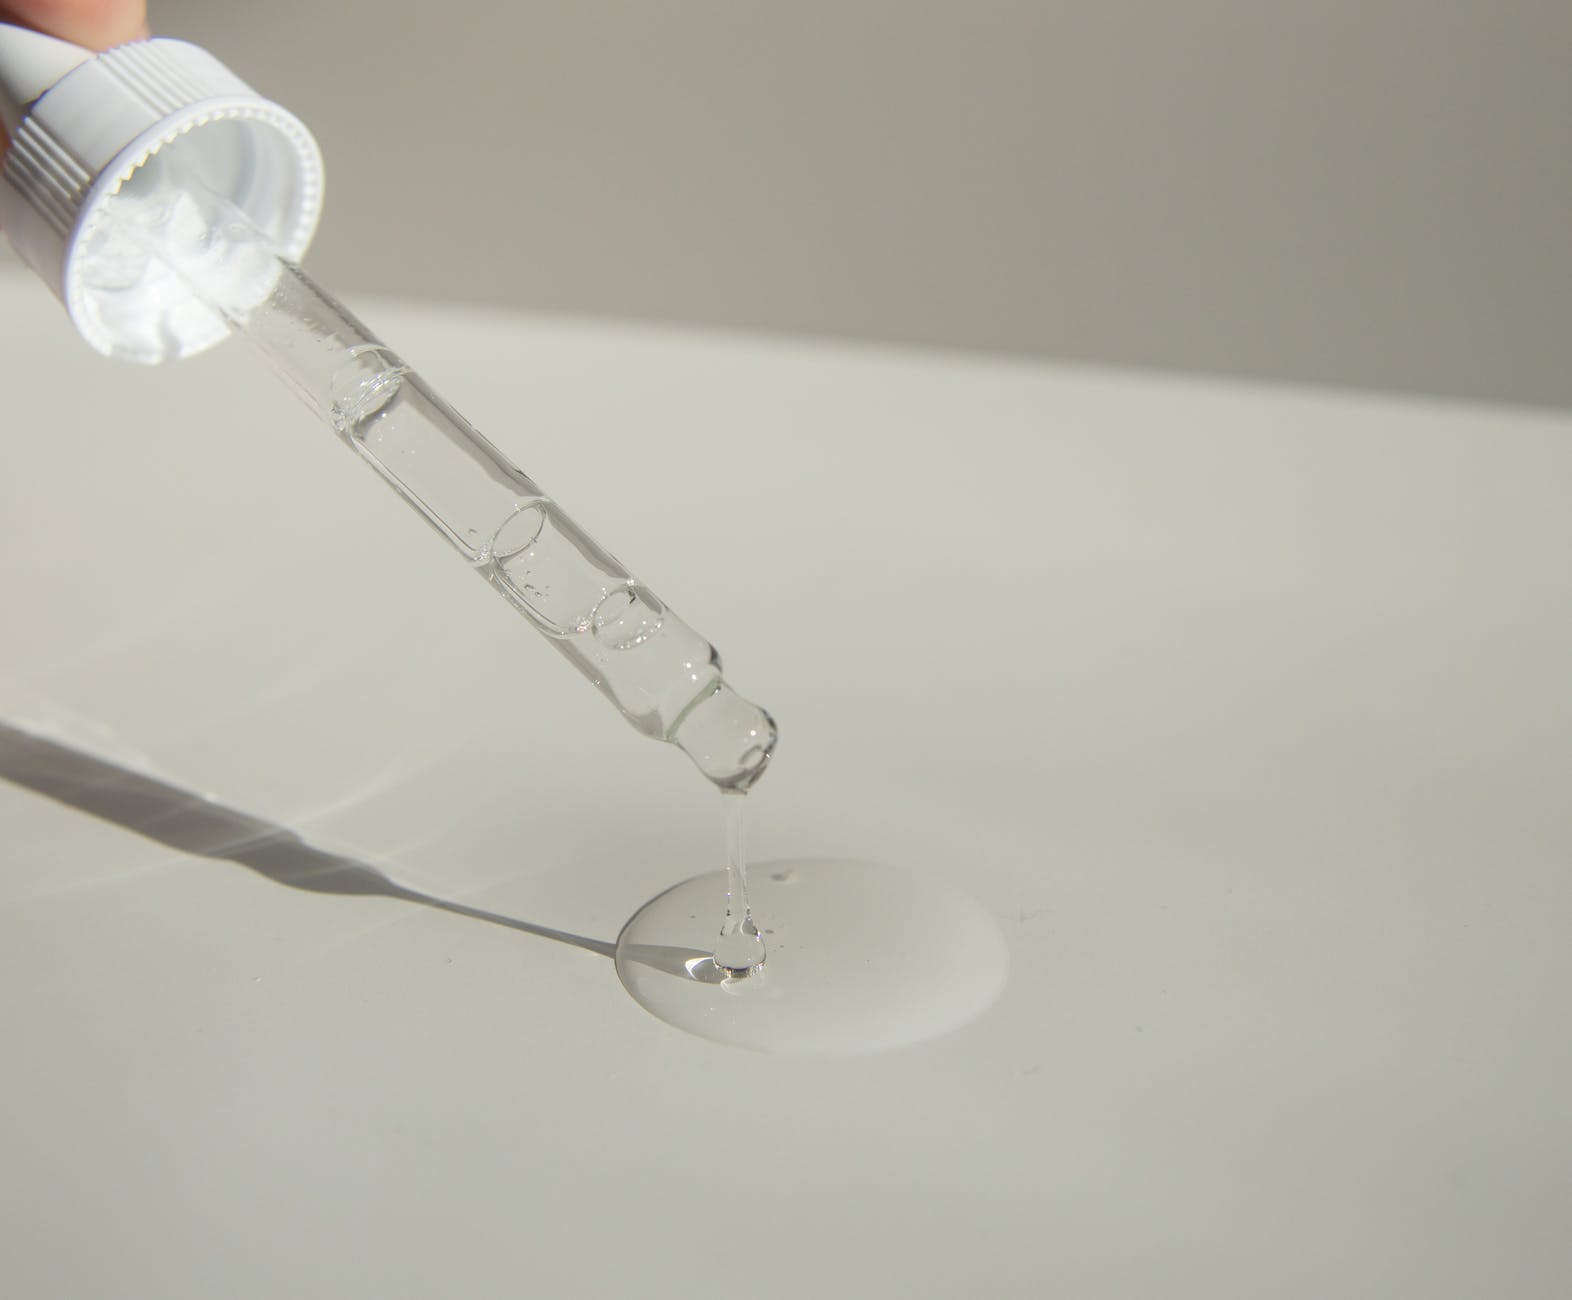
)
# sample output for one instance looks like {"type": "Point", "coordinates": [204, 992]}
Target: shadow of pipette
{"type": "Point", "coordinates": [192, 823]}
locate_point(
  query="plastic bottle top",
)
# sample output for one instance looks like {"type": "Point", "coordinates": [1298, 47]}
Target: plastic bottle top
{"type": "Point", "coordinates": [82, 125]}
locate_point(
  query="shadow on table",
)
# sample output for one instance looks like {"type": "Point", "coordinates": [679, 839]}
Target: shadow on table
{"type": "Point", "coordinates": [192, 823]}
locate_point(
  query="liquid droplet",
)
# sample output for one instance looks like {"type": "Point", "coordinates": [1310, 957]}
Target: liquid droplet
{"type": "Point", "coordinates": [739, 951]}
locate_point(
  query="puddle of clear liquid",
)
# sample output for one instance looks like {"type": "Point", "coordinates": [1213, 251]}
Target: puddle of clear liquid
{"type": "Point", "coordinates": [862, 957]}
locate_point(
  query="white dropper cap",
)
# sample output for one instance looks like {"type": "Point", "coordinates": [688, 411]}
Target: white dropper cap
{"type": "Point", "coordinates": [82, 124]}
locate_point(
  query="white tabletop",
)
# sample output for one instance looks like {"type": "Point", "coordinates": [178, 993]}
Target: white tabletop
{"type": "Point", "coordinates": [1244, 712]}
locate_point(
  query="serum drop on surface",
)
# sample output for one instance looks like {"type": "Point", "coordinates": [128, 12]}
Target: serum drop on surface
{"type": "Point", "coordinates": [831, 983]}
{"type": "Point", "coordinates": [739, 952]}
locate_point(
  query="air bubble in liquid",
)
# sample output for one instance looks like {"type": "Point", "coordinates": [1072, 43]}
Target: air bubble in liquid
{"type": "Point", "coordinates": [363, 386]}
{"type": "Point", "coordinates": [519, 531]}
{"type": "Point", "coordinates": [548, 567]}
{"type": "Point", "coordinates": [627, 618]}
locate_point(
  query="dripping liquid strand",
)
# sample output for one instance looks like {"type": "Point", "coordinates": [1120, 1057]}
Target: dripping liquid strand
{"type": "Point", "coordinates": [739, 952]}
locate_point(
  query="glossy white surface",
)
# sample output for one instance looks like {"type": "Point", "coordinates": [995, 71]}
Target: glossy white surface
{"type": "Point", "coordinates": [1244, 713]}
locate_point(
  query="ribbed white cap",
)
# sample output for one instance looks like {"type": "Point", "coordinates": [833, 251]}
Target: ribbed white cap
{"type": "Point", "coordinates": [81, 126]}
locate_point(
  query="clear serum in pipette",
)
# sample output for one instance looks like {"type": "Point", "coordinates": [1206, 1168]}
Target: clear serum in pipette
{"type": "Point", "coordinates": [662, 675]}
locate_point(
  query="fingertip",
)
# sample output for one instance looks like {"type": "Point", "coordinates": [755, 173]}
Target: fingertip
{"type": "Point", "coordinates": [95, 24]}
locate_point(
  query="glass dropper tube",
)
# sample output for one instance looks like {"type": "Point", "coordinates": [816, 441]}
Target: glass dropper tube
{"type": "Point", "coordinates": [663, 676]}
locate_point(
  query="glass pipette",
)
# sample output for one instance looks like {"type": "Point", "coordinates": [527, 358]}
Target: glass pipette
{"type": "Point", "coordinates": [662, 675]}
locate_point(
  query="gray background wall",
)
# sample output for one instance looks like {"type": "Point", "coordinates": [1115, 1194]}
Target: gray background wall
{"type": "Point", "coordinates": [1363, 192]}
